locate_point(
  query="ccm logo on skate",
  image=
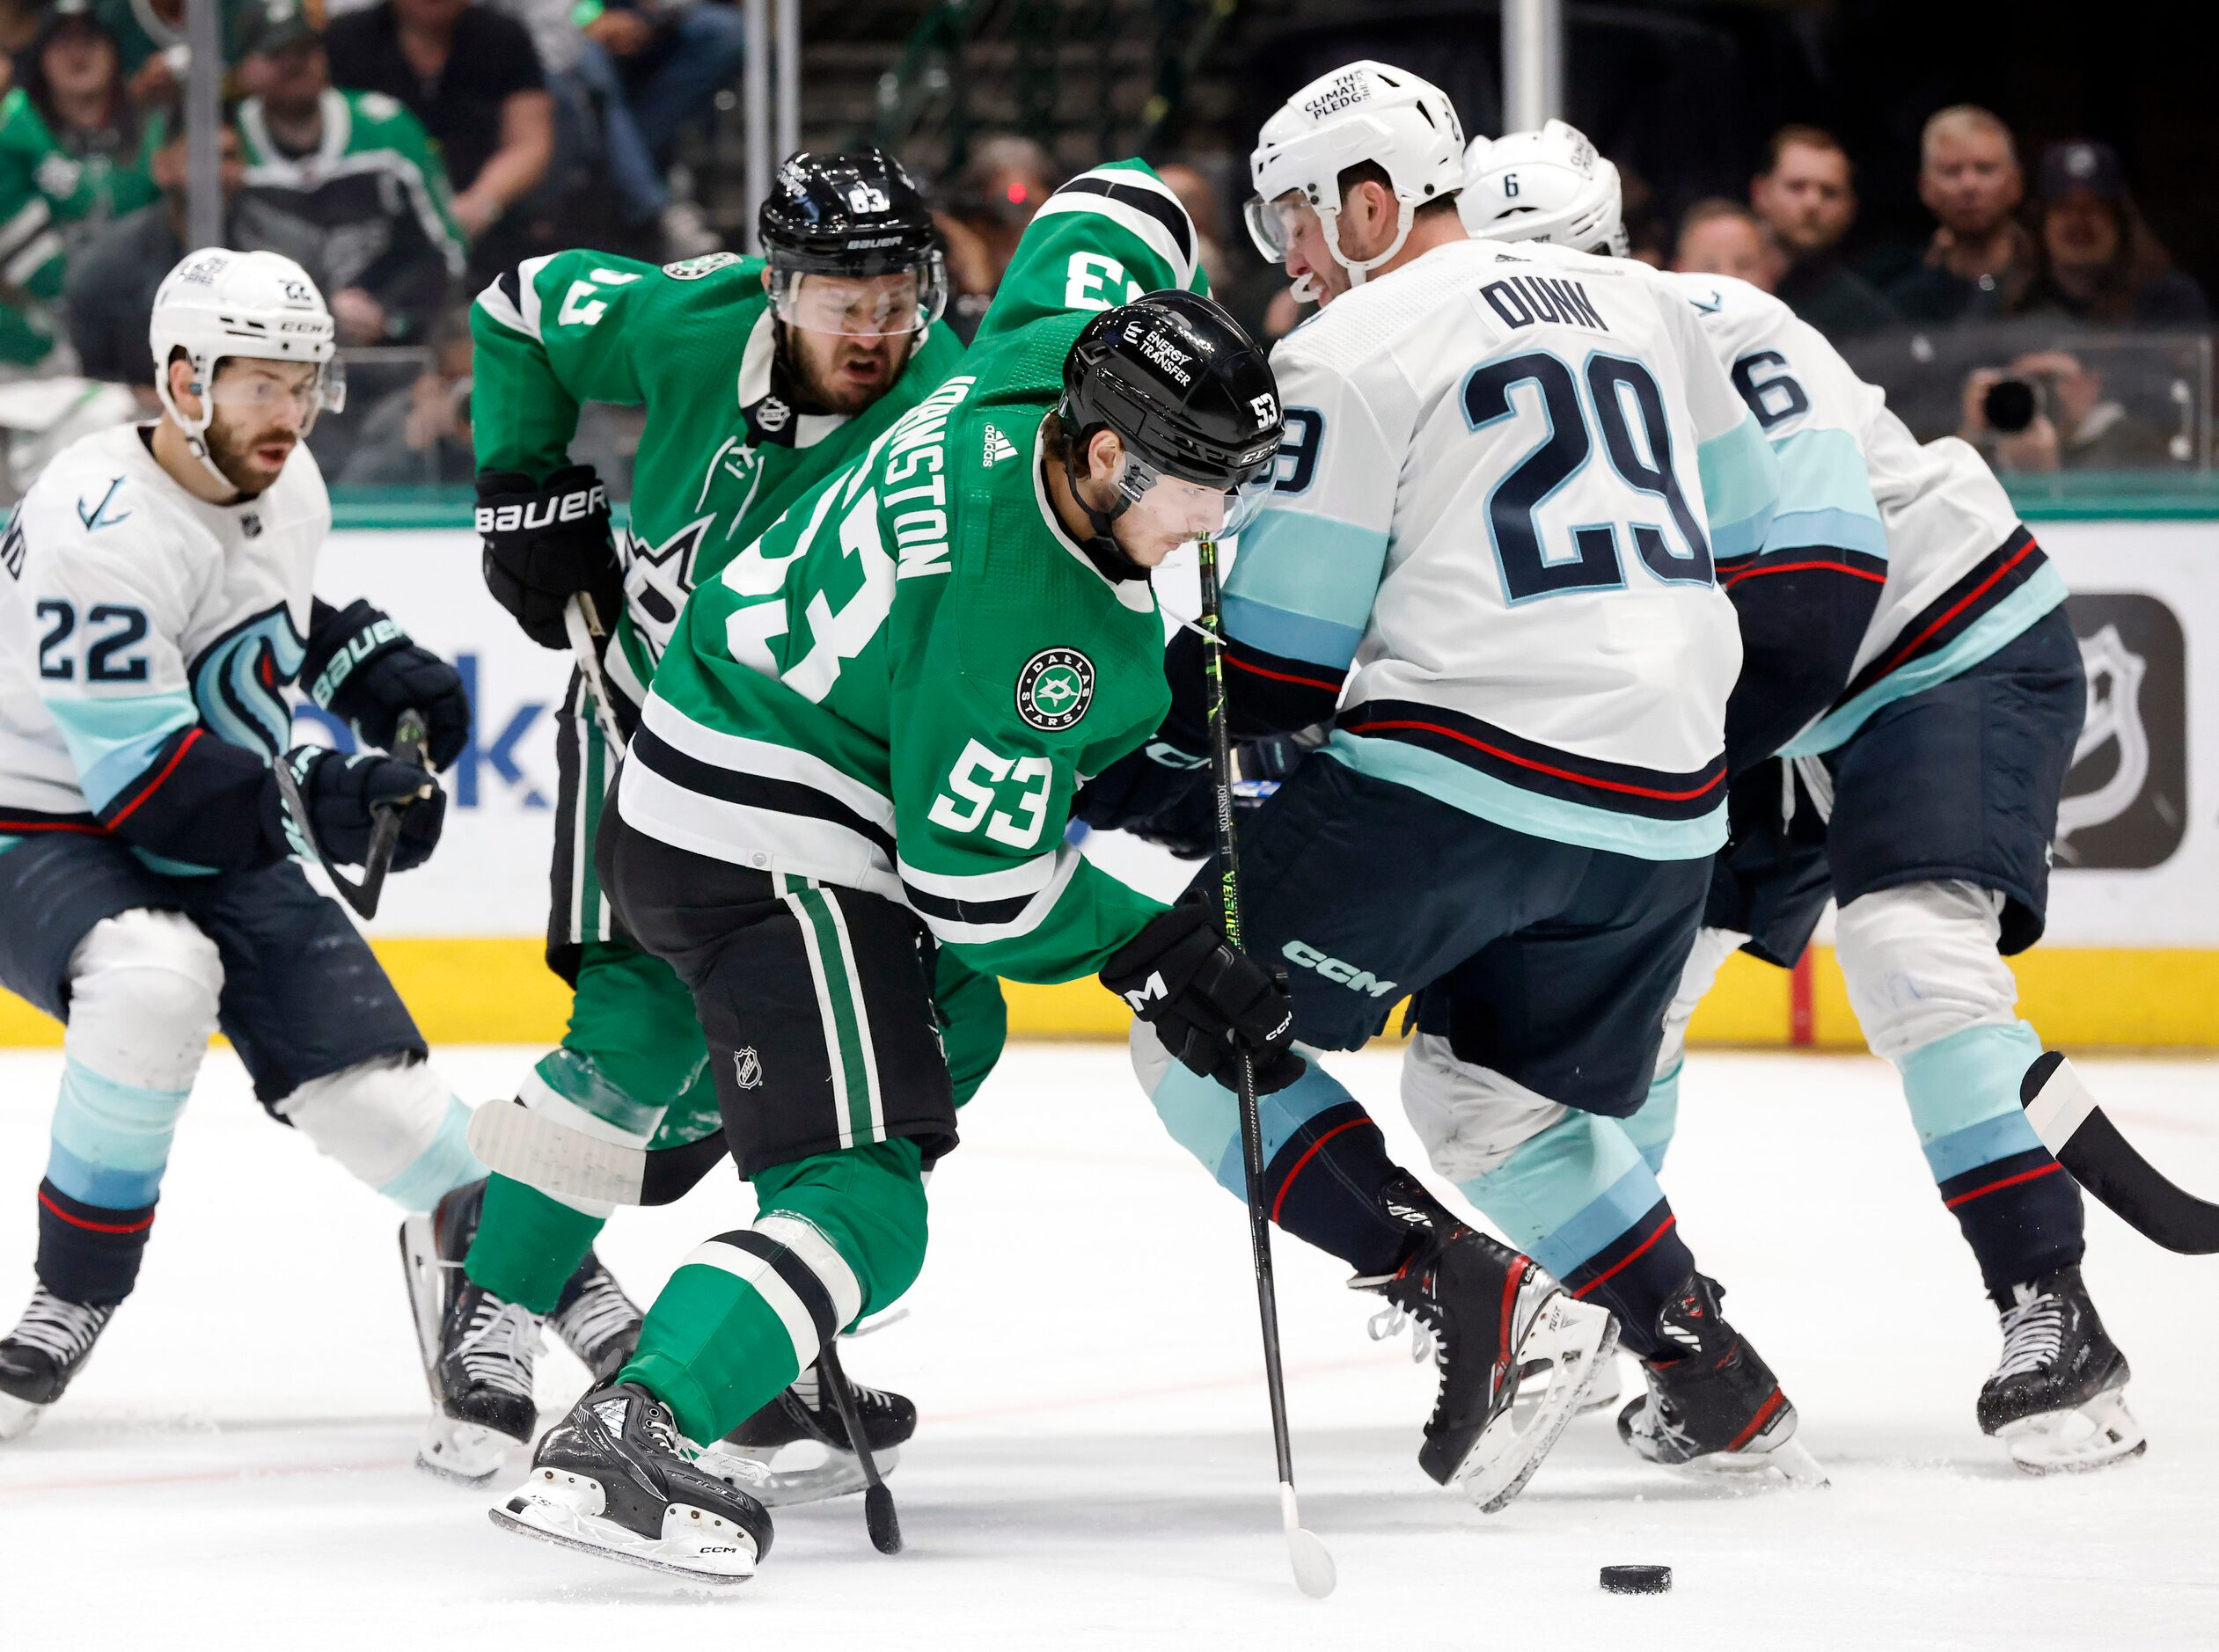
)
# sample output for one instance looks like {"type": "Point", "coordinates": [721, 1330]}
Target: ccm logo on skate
{"type": "Point", "coordinates": [1333, 970]}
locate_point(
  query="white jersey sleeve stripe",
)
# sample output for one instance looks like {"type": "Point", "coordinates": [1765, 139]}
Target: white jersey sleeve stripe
{"type": "Point", "coordinates": [1826, 495]}
{"type": "Point", "coordinates": [1740, 488]}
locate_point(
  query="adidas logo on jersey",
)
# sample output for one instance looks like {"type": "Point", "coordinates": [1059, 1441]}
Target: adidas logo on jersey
{"type": "Point", "coordinates": [999, 448]}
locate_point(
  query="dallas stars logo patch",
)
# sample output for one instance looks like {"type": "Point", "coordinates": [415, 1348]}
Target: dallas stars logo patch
{"type": "Point", "coordinates": [997, 448]}
{"type": "Point", "coordinates": [692, 269]}
{"type": "Point", "coordinates": [1055, 688]}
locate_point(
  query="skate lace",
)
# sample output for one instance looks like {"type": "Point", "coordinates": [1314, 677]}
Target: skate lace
{"type": "Point", "coordinates": [497, 1350]}
{"type": "Point", "coordinates": [1396, 1317]}
{"type": "Point", "coordinates": [2033, 1335]}
{"type": "Point", "coordinates": [809, 1390]}
{"type": "Point", "coordinates": [601, 1312]}
{"type": "Point", "coordinates": [63, 1330]}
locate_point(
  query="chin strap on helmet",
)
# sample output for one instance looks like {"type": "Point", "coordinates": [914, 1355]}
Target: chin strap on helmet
{"type": "Point", "coordinates": [195, 429]}
{"type": "Point", "coordinates": [1101, 547]}
{"type": "Point", "coordinates": [1359, 269]}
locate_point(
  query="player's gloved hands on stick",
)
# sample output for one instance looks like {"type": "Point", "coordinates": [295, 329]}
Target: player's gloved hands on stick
{"type": "Point", "coordinates": [362, 667]}
{"type": "Point", "coordinates": [344, 795]}
{"type": "Point", "coordinates": [1204, 999]}
{"type": "Point", "coordinates": [545, 543]}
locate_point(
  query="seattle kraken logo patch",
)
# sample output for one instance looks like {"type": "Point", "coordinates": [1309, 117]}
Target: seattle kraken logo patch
{"type": "Point", "coordinates": [1055, 688]}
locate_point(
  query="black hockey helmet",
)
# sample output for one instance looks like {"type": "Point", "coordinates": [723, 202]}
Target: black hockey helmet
{"type": "Point", "coordinates": [1186, 389]}
{"type": "Point", "coordinates": [857, 214]}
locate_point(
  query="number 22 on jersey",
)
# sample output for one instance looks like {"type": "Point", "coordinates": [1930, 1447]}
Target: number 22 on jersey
{"type": "Point", "coordinates": [1614, 398]}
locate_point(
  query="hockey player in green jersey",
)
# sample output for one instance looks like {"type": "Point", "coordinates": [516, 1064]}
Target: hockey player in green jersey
{"type": "Point", "coordinates": [859, 749]}
{"type": "Point", "coordinates": [758, 379]}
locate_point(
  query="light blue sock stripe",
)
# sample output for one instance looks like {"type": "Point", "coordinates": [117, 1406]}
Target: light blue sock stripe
{"type": "Point", "coordinates": [111, 1141]}
{"type": "Point", "coordinates": [1982, 1143]}
{"type": "Point", "coordinates": [1650, 1130]}
{"type": "Point", "coordinates": [444, 1166]}
{"type": "Point", "coordinates": [1204, 1118]}
{"type": "Point", "coordinates": [1569, 1192]}
{"type": "Point", "coordinates": [1968, 1078]}
{"type": "Point", "coordinates": [102, 1185]}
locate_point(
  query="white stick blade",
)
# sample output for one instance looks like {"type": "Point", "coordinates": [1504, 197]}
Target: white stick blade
{"type": "Point", "coordinates": [1314, 1574]}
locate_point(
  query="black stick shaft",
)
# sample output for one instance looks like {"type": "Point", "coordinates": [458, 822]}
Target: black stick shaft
{"type": "Point", "coordinates": [1267, 1301]}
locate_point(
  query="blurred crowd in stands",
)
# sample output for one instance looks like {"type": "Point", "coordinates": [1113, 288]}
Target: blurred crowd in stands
{"type": "Point", "coordinates": [406, 151]}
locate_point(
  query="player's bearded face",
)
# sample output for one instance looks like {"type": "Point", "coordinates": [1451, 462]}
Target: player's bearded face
{"type": "Point", "coordinates": [262, 410]}
{"type": "Point", "coordinates": [851, 337]}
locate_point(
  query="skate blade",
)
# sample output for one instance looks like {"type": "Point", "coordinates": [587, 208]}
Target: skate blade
{"type": "Point", "coordinates": [1604, 1394]}
{"type": "Point", "coordinates": [17, 1417]}
{"type": "Point", "coordinates": [839, 1475]}
{"type": "Point", "coordinates": [1575, 1341]}
{"type": "Point", "coordinates": [2090, 1437]}
{"type": "Point", "coordinates": [1789, 1463]}
{"type": "Point", "coordinates": [420, 1272]}
{"type": "Point", "coordinates": [468, 1453]}
{"type": "Point", "coordinates": [532, 1516]}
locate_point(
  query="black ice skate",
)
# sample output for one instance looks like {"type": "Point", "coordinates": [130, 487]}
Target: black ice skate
{"type": "Point", "coordinates": [47, 1348]}
{"type": "Point", "coordinates": [597, 1321]}
{"type": "Point", "coordinates": [1457, 1284]}
{"type": "Point", "coordinates": [479, 1351]}
{"type": "Point", "coordinates": [611, 1479]}
{"type": "Point", "coordinates": [804, 1416]}
{"type": "Point", "coordinates": [1717, 1406]}
{"type": "Point", "coordinates": [2057, 1398]}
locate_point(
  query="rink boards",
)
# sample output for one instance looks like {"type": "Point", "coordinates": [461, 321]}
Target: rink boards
{"type": "Point", "coordinates": [2131, 958]}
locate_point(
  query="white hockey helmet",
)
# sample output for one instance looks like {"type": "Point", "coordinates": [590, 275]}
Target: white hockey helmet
{"type": "Point", "coordinates": [1364, 112]}
{"type": "Point", "coordinates": [217, 304]}
{"type": "Point", "coordinates": [1550, 186]}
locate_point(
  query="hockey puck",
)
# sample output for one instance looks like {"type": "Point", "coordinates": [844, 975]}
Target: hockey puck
{"type": "Point", "coordinates": [1638, 1580]}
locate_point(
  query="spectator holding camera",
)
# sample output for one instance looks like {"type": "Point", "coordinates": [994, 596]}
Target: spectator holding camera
{"type": "Point", "coordinates": [1718, 237]}
{"type": "Point", "coordinates": [2048, 412]}
{"type": "Point", "coordinates": [1981, 261]}
{"type": "Point", "coordinates": [1806, 200]}
{"type": "Point", "coordinates": [2101, 265]}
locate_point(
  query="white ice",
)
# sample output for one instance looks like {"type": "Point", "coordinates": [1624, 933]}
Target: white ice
{"type": "Point", "coordinates": [1094, 1467]}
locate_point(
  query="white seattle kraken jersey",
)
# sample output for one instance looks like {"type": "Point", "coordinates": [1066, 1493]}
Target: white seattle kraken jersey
{"type": "Point", "coordinates": [129, 609]}
{"type": "Point", "coordinates": [1507, 474]}
{"type": "Point", "coordinates": [1962, 576]}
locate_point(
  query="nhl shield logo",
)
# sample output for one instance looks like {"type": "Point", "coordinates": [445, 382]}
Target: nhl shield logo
{"type": "Point", "coordinates": [747, 1069]}
{"type": "Point", "coordinates": [1055, 688]}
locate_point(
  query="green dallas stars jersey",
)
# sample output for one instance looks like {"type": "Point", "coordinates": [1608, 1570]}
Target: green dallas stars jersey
{"type": "Point", "coordinates": [899, 686]}
{"type": "Point", "coordinates": [721, 457]}
{"type": "Point", "coordinates": [51, 199]}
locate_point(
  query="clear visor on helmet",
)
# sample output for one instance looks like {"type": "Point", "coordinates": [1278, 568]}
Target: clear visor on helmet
{"type": "Point", "coordinates": [861, 306]}
{"type": "Point", "coordinates": [1196, 510]}
{"type": "Point", "coordinates": [1273, 224]}
{"type": "Point", "coordinates": [255, 391]}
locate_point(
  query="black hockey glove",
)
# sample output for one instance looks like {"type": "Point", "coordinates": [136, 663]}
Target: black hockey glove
{"type": "Point", "coordinates": [362, 667]}
{"type": "Point", "coordinates": [1159, 794]}
{"type": "Point", "coordinates": [545, 545]}
{"type": "Point", "coordinates": [344, 795]}
{"type": "Point", "coordinates": [1203, 998]}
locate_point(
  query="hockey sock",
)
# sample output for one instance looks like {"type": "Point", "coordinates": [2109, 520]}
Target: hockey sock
{"type": "Point", "coordinates": [110, 1145]}
{"type": "Point", "coordinates": [839, 1235]}
{"type": "Point", "coordinates": [89, 1253]}
{"type": "Point", "coordinates": [528, 1245]}
{"type": "Point", "coordinates": [1324, 1160]}
{"type": "Point", "coordinates": [2018, 1211]}
{"type": "Point", "coordinates": [1651, 1129]}
{"type": "Point", "coordinates": [1581, 1200]}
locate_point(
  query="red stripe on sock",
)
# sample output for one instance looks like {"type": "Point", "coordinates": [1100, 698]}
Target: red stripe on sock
{"type": "Point", "coordinates": [96, 1227]}
{"type": "Point", "coordinates": [1662, 1228]}
{"type": "Point", "coordinates": [2024, 1175]}
{"type": "Point", "coordinates": [1757, 1423]}
{"type": "Point", "coordinates": [1308, 1156]}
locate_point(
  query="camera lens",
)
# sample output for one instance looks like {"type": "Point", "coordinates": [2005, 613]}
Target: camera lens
{"type": "Point", "coordinates": [2008, 406]}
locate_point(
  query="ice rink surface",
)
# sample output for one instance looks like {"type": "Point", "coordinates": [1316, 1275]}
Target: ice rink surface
{"type": "Point", "coordinates": [1093, 1468]}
